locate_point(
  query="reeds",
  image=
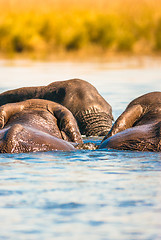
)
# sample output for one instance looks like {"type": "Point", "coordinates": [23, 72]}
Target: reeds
{"type": "Point", "coordinates": [47, 27]}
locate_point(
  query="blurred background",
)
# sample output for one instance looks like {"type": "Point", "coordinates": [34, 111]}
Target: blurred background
{"type": "Point", "coordinates": [51, 29]}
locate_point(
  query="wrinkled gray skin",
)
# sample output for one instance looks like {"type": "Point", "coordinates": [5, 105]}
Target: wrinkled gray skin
{"type": "Point", "coordinates": [138, 127]}
{"type": "Point", "coordinates": [92, 112]}
{"type": "Point", "coordinates": [37, 125]}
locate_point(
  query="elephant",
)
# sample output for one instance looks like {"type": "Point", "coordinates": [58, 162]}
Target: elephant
{"type": "Point", "coordinates": [37, 125]}
{"type": "Point", "coordinates": [92, 113]}
{"type": "Point", "coordinates": [138, 127]}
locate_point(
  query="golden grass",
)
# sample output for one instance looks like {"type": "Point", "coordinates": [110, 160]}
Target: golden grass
{"type": "Point", "coordinates": [42, 28]}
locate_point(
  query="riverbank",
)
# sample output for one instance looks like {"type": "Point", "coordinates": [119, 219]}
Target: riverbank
{"type": "Point", "coordinates": [61, 29]}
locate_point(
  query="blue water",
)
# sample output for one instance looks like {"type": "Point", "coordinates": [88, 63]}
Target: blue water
{"type": "Point", "coordinates": [98, 195]}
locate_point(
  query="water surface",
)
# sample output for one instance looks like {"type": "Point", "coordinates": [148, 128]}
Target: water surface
{"type": "Point", "coordinates": [98, 195]}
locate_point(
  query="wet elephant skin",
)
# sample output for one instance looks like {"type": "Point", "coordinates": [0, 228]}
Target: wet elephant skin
{"type": "Point", "coordinates": [37, 125]}
{"type": "Point", "coordinates": [138, 127]}
{"type": "Point", "coordinates": [92, 112]}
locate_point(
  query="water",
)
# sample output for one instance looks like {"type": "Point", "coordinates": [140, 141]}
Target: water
{"type": "Point", "coordinates": [98, 195]}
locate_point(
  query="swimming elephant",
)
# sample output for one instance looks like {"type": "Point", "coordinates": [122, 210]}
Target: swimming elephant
{"type": "Point", "coordinates": [138, 127]}
{"type": "Point", "coordinates": [92, 112]}
{"type": "Point", "coordinates": [37, 125]}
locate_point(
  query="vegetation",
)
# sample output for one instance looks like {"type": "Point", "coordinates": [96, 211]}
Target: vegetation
{"type": "Point", "coordinates": [42, 28]}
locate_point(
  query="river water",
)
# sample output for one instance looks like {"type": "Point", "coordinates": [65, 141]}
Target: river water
{"type": "Point", "coordinates": [98, 195]}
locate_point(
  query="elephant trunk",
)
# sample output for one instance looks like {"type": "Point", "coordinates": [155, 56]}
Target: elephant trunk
{"type": "Point", "coordinates": [93, 122]}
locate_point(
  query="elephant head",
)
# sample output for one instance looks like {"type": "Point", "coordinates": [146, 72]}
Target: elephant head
{"type": "Point", "coordinates": [92, 112]}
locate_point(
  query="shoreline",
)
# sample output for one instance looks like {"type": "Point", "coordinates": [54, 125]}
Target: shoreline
{"type": "Point", "coordinates": [112, 61]}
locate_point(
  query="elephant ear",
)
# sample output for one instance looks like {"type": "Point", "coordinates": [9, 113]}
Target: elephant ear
{"type": "Point", "coordinates": [66, 123]}
{"type": "Point", "coordinates": [126, 120]}
{"type": "Point", "coordinates": [7, 110]}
